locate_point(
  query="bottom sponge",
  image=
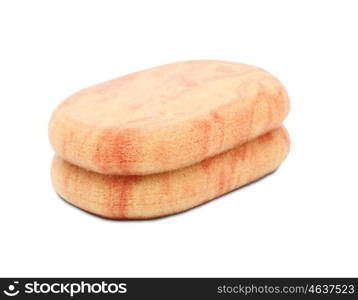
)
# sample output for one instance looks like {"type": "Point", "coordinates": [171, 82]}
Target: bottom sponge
{"type": "Point", "coordinates": [161, 194]}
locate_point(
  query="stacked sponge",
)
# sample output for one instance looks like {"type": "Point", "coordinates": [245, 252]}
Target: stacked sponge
{"type": "Point", "coordinates": [166, 139]}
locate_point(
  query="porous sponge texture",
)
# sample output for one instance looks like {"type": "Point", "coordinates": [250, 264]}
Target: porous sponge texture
{"type": "Point", "coordinates": [156, 195]}
{"type": "Point", "coordinates": [166, 118]}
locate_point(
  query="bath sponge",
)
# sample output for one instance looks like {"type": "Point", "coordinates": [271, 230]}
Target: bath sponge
{"type": "Point", "coordinates": [167, 117]}
{"type": "Point", "coordinates": [165, 193]}
{"type": "Point", "coordinates": [166, 139]}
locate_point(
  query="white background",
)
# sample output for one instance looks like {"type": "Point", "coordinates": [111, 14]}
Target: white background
{"type": "Point", "coordinates": [300, 221]}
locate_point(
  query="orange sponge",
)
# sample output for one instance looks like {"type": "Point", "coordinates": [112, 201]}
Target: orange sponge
{"type": "Point", "coordinates": [166, 139]}
{"type": "Point", "coordinates": [167, 117]}
{"type": "Point", "coordinates": [151, 196]}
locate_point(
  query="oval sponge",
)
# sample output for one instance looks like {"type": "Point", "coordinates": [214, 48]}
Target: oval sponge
{"type": "Point", "coordinates": [156, 195]}
{"type": "Point", "coordinates": [167, 117]}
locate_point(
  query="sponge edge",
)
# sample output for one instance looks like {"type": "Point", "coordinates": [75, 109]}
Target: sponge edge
{"type": "Point", "coordinates": [167, 117]}
{"type": "Point", "coordinates": [157, 195]}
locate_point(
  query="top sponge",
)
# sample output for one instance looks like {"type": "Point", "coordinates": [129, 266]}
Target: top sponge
{"type": "Point", "coordinates": [166, 117]}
